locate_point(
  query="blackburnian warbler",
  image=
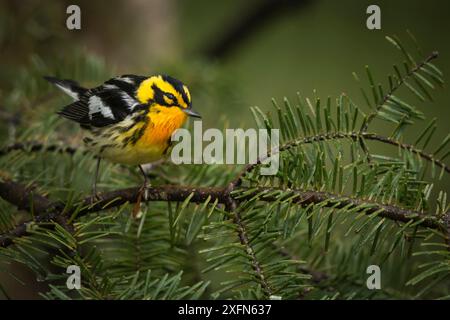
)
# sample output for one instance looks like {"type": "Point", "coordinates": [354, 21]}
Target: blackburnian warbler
{"type": "Point", "coordinates": [128, 119]}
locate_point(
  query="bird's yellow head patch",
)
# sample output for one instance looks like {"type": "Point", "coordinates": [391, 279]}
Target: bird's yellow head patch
{"type": "Point", "coordinates": [164, 91]}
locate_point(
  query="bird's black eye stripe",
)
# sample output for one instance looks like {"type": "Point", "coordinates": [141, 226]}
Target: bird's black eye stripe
{"type": "Point", "coordinates": [185, 98]}
{"type": "Point", "coordinates": [178, 86]}
{"type": "Point", "coordinates": [159, 97]}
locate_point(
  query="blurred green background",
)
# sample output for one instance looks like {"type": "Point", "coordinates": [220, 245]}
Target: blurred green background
{"type": "Point", "coordinates": [311, 45]}
{"type": "Point", "coordinates": [302, 46]}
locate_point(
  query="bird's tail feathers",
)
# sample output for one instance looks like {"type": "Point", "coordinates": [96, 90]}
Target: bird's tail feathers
{"type": "Point", "coordinates": [70, 87]}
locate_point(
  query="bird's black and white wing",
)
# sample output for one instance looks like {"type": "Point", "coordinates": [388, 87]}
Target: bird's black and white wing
{"type": "Point", "coordinates": [107, 104]}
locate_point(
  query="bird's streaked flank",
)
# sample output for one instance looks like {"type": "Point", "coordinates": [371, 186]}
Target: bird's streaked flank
{"type": "Point", "coordinates": [128, 119]}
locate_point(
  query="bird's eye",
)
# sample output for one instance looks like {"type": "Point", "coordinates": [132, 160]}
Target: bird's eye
{"type": "Point", "coordinates": [170, 96]}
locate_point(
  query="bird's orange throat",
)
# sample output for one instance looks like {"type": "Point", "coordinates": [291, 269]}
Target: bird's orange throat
{"type": "Point", "coordinates": [161, 125]}
{"type": "Point", "coordinates": [147, 142]}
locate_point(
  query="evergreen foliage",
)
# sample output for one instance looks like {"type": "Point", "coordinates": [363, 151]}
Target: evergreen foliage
{"type": "Point", "coordinates": [309, 232]}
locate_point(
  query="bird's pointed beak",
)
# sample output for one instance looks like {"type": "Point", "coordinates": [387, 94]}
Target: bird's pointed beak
{"type": "Point", "coordinates": [192, 113]}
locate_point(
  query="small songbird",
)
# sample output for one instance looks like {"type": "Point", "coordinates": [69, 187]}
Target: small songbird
{"type": "Point", "coordinates": [128, 119]}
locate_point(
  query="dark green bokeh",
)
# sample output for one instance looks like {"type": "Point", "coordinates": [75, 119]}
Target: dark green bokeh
{"type": "Point", "coordinates": [315, 46]}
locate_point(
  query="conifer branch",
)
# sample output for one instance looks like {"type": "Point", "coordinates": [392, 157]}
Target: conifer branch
{"type": "Point", "coordinates": [342, 135]}
{"type": "Point", "coordinates": [447, 226]}
{"type": "Point", "coordinates": [36, 147]}
{"type": "Point", "coordinates": [408, 147]}
{"type": "Point", "coordinates": [45, 210]}
{"type": "Point", "coordinates": [400, 82]}
{"type": "Point", "coordinates": [316, 276]}
{"type": "Point", "coordinates": [231, 206]}
{"type": "Point", "coordinates": [26, 198]}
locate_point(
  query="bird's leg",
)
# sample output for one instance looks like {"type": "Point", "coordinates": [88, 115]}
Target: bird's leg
{"type": "Point", "coordinates": [142, 191]}
{"type": "Point", "coordinates": [94, 185]}
{"type": "Point", "coordinates": [144, 185]}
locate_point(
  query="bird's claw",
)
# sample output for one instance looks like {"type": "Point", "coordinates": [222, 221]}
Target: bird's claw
{"type": "Point", "coordinates": [94, 198]}
{"type": "Point", "coordinates": [142, 193]}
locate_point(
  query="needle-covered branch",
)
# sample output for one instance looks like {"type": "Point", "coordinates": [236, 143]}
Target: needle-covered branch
{"type": "Point", "coordinates": [45, 210]}
{"type": "Point", "coordinates": [345, 135]}
{"type": "Point", "coordinates": [36, 147]}
{"type": "Point", "coordinates": [397, 86]}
